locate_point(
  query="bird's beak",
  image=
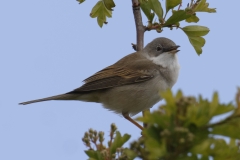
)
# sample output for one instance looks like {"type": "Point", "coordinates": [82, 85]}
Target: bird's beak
{"type": "Point", "coordinates": [172, 49]}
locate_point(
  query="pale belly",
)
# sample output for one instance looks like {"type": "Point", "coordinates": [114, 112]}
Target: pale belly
{"type": "Point", "coordinates": [135, 98]}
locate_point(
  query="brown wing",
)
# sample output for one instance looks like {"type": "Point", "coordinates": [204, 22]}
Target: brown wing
{"type": "Point", "coordinates": [117, 75]}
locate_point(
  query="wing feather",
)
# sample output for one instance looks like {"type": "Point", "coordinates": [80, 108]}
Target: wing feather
{"type": "Point", "coordinates": [116, 75]}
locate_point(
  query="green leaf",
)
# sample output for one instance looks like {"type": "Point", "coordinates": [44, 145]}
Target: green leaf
{"type": "Point", "coordinates": [179, 94]}
{"type": "Point", "coordinates": [80, 1]}
{"type": "Point", "coordinates": [154, 144]}
{"type": "Point", "coordinates": [101, 12]}
{"type": "Point", "coordinates": [232, 142]}
{"type": "Point", "coordinates": [218, 149]}
{"type": "Point", "coordinates": [176, 17]}
{"type": "Point", "coordinates": [203, 147]}
{"type": "Point", "coordinates": [224, 108]}
{"type": "Point", "coordinates": [194, 34]}
{"type": "Point", "coordinates": [109, 4]}
{"type": "Point", "coordinates": [168, 96]}
{"type": "Point", "coordinates": [170, 4]}
{"type": "Point", "coordinates": [130, 154]}
{"type": "Point", "coordinates": [195, 31]}
{"type": "Point", "coordinates": [222, 150]}
{"type": "Point", "coordinates": [214, 104]}
{"type": "Point", "coordinates": [231, 128]}
{"type": "Point", "coordinates": [152, 5]}
{"type": "Point", "coordinates": [197, 43]}
{"type": "Point", "coordinates": [156, 118]}
{"type": "Point", "coordinates": [198, 114]}
{"type": "Point", "coordinates": [157, 8]}
{"type": "Point", "coordinates": [193, 18]}
{"type": "Point", "coordinates": [202, 6]}
{"type": "Point", "coordinates": [94, 155]}
{"type": "Point", "coordinates": [146, 8]}
{"type": "Point", "coordinates": [118, 141]}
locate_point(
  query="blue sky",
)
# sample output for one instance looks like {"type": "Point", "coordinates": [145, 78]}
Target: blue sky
{"type": "Point", "coordinates": [49, 47]}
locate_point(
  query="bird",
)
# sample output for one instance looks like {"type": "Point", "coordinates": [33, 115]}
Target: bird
{"type": "Point", "coordinates": [133, 83]}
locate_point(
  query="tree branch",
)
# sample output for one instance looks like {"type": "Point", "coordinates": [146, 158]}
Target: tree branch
{"type": "Point", "coordinates": [140, 29]}
{"type": "Point", "coordinates": [139, 25]}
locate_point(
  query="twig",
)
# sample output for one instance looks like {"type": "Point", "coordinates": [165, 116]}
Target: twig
{"type": "Point", "coordinates": [134, 46]}
{"type": "Point", "coordinates": [111, 138]}
{"type": "Point", "coordinates": [139, 25]}
{"type": "Point", "coordinates": [180, 5]}
{"type": "Point", "coordinates": [155, 27]}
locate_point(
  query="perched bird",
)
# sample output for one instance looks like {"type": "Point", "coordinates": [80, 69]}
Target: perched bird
{"type": "Point", "coordinates": [133, 83]}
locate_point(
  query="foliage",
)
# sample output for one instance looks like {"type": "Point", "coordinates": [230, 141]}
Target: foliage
{"type": "Point", "coordinates": [101, 152]}
{"type": "Point", "coordinates": [150, 8]}
{"type": "Point", "coordinates": [182, 129]}
{"type": "Point", "coordinates": [101, 10]}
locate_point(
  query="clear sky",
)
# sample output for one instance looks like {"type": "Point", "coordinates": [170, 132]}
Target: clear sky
{"type": "Point", "coordinates": [49, 47]}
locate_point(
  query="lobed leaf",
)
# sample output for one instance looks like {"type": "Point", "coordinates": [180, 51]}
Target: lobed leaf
{"type": "Point", "coordinates": [198, 114]}
{"type": "Point", "coordinates": [202, 6]}
{"type": "Point", "coordinates": [101, 12]}
{"type": "Point", "coordinates": [109, 4]}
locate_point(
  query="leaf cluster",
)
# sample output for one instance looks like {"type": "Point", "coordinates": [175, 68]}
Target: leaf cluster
{"type": "Point", "coordinates": [182, 129]}
{"type": "Point", "coordinates": [101, 10]}
{"type": "Point", "coordinates": [189, 14]}
{"type": "Point", "coordinates": [153, 8]}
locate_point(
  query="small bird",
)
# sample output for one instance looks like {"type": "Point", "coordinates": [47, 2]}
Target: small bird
{"type": "Point", "coordinates": [133, 83]}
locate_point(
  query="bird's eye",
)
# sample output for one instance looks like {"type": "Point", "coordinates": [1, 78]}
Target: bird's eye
{"type": "Point", "coordinates": [159, 48]}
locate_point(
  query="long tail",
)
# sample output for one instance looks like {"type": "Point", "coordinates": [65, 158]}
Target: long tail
{"type": "Point", "coordinates": [57, 97]}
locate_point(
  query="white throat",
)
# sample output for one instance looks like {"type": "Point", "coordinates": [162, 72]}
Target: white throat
{"type": "Point", "coordinates": [165, 60]}
{"type": "Point", "coordinates": [169, 62]}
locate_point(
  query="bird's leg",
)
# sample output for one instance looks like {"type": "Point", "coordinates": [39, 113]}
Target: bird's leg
{"type": "Point", "coordinates": [126, 115]}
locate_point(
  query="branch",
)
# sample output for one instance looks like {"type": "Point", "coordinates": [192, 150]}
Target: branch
{"type": "Point", "coordinates": [139, 25]}
{"type": "Point", "coordinates": [158, 27]}
{"type": "Point", "coordinates": [140, 29]}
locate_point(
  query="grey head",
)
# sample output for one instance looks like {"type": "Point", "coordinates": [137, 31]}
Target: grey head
{"type": "Point", "coordinates": [159, 46]}
{"type": "Point", "coordinates": [161, 50]}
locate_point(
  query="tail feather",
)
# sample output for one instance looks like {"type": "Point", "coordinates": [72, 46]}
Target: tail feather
{"type": "Point", "coordinates": [57, 97]}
